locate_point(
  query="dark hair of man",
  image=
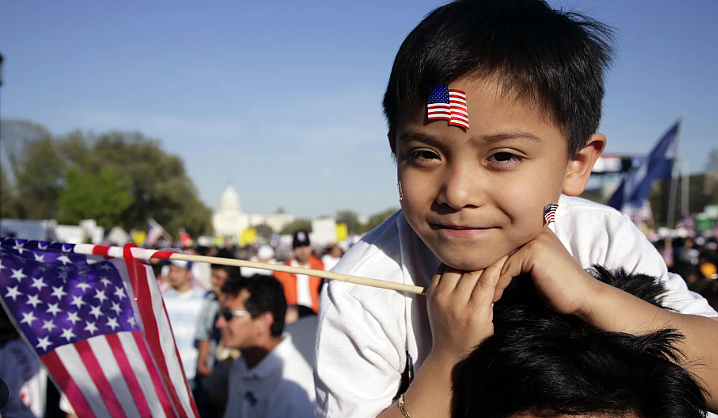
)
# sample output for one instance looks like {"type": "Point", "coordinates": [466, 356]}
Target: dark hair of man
{"type": "Point", "coordinates": [232, 271]}
{"type": "Point", "coordinates": [544, 363]}
{"type": "Point", "coordinates": [552, 58]}
{"type": "Point", "coordinates": [266, 295]}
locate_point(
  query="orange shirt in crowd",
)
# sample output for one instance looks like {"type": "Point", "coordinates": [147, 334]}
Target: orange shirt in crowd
{"type": "Point", "coordinates": [289, 281]}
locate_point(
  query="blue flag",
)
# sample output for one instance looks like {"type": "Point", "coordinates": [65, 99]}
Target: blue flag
{"type": "Point", "coordinates": [635, 186]}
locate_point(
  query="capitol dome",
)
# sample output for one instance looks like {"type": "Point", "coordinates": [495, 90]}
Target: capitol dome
{"type": "Point", "coordinates": [230, 201]}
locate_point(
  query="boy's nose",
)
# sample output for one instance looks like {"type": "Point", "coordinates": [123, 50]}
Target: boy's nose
{"type": "Point", "coordinates": [460, 189]}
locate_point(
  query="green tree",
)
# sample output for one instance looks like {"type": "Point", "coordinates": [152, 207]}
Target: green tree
{"type": "Point", "coordinates": [39, 179]}
{"type": "Point", "coordinates": [297, 225]}
{"type": "Point", "coordinates": [8, 200]}
{"type": "Point", "coordinates": [376, 219]}
{"type": "Point", "coordinates": [264, 231]}
{"type": "Point", "coordinates": [103, 196]}
{"type": "Point", "coordinates": [351, 219]}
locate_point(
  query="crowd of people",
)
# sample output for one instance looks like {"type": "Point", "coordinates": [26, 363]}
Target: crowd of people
{"type": "Point", "coordinates": [694, 258]}
{"type": "Point", "coordinates": [245, 336]}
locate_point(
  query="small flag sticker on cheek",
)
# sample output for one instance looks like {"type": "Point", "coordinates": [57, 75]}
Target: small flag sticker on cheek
{"type": "Point", "coordinates": [447, 104]}
{"type": "Point", "coordinates": [549, 212]}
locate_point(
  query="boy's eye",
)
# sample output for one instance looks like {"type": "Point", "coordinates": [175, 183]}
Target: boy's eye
{"type": "Point", "coordinates": [505, 158]}
{"type": "Point", "coordinates": [422, 155]}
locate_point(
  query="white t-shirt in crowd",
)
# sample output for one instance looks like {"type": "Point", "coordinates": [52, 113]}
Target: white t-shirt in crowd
{"type": "Point", "coordinates": [329, 262]}
{"type": "Point", "coordinates": [304, 294]}
{"type": "Point", "coordinates": [26, 380]}
{"type": "Point", "coordinates": [251, 271]}
{"type": "Point", "coordinates": [365, 332]}
{"type": "Point", "coordinates": [280, 386]}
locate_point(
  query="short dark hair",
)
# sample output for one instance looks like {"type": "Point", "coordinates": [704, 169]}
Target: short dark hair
{"type": "Point", "coordinates": [546, 363]}
{"type": "Point", "coordinates": [266, 295]}
{"type": "Point", "coordinates": [553, 58]}
{"type": "Point", "coordinates": [232, 271]}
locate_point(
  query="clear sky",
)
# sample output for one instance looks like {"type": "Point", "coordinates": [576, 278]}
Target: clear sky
{"type": "Point", "coordinates": [283, 98]}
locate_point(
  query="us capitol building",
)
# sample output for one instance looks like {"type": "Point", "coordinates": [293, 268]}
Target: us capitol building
{"type": "Point", "coordinates": [229, 220]}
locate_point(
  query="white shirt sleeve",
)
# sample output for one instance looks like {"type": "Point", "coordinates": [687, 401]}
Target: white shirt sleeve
{"type": "Point", "coordinates": [360, 351]}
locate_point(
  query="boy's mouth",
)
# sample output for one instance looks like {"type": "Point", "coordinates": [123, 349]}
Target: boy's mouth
{"type": "Point", "coordinates": [458, 230]}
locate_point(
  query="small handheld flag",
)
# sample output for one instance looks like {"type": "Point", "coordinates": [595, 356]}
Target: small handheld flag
{"type": "Point", "coordinates": [549, 212]}
{"type": "Point", "coordinates": [448, 104]}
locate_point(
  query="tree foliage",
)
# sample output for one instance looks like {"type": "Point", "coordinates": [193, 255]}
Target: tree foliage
{"type": "Point", "coordinates": [297, 225]}
{"type": "Point", "coordinates": [116, 178]}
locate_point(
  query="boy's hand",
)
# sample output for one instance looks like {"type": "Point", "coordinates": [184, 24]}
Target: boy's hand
{"type": "Point", "coordinates": [460, 309]}
{"type": "Point", "coordinates": [555, 273]}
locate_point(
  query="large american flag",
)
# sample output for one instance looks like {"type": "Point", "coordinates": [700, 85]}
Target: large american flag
{"type": "Point", "coordinates": [448, 104]}
{"type": "Point", "coordinates": [99, 326]}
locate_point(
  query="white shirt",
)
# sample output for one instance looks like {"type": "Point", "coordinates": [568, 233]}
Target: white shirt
{"type": "Point", "coordinates": [251, 271]}
{"type": "Point", "coordinates": [183, 310]}
{"type": "Point", "coordinates": [365, 332]}
{"type": "Point", "coordinates": [304, 295]}
{"type": "Point", "coordinates": [280, 386]}
{"type": "Point", "coordinates": [330, 262]}
{"type": "Point", "coordinates": [26, 380]}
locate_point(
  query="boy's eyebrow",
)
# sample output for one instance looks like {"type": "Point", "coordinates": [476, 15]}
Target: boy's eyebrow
{"type": "Point", "coordinates": [418, 136]}
{"type": "Point", "coordinates": [505, 136]}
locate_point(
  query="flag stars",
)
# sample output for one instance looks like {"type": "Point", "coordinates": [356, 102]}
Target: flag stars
{"type": "Point", "coordinates": [112, 323]}
{"type": "Point", "coordinates": [131, 320]}
{"type": "Point", "coordinates": [72, 317]}
{"type": "Point", "coordinates": [91, 327]}
{"type": "Point", "coordinates": [77, 301]}
{"type": "Point", "coordinates": [62, 274]}
{"type": "Point", "coordinates": [116, 307]}
{"type": "Point", "coordinates": [13, 293]}
{"type": "Point", "coordinates": [84, 286]}
{"type": "Point", "coordinates": [28, 318]}
{"type": "Point", "coordinates": [100, 294]}
{"type": "Point", "coordinates": [67, 334]}
{"type": "Point", "coordinates": [53, 309]}
{"type": "Point", "coordinates": [33, 300]}
{"type": "Point", "coordinates": [96, 311]}
{"type": "Point", "coordinates": [18, 274]}
{"type": "Point", "coordinates": [66, 250]}
{"type": "Point", "coordinates": [48, 325]}
{"type": "Point", "coordinates": [40, 246]}
{"type": "Point", "coordinates": [19, 247]}
{"type": "Point", "coordinates": [58, 292]}
{"type": "Point", "coordinates": [105, 266]}
{"type": "Point", "coordinates": [65, 259]}
{"type": "Point", "coordinates": [1, 266]}
{"type": "Point", "coordinates": [43, 343]}
{"type": "Point", "coordinates": [39, 257]}
{"type": "Point", "coordinates": [120, 293]}
{"type": "Point", "coordinates": [38, 283]}
{"type": "Point", "coordinates": [105, 281]}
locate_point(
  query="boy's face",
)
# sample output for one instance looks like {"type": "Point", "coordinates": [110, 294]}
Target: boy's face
{"type": "Point", "coordinates": [475, 195]}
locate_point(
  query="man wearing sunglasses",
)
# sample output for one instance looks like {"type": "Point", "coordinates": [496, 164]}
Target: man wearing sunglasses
{"type": "Point", "coordinates": [271, 378]}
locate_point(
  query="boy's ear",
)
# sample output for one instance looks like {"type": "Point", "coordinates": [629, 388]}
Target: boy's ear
{"type": "Point", "coordinates": [579, 168]}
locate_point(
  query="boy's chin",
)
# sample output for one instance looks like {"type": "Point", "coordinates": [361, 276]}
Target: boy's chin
{"type": "Point", "coordinates": [466, 263]}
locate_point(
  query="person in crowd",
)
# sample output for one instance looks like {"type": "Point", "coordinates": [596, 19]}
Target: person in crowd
{"type": "Point", "coordinates": [22, 373]}
{"type": "Point", "coordinates": [333, 255]}
{"type": "Point", "coordinates": [183, 303]}
{"type": "Point", "coordinates": [302, 289]}
{"type": "Point", "coordinates": [541, 363]}
{"type": "Point", "coordinates": [706, 266]}
{"type": "Point", "coordinates": [473, 191]}
{"type": "Point", "coordinates": [271, 379]}
{"type": "Point", "coordinates": [265, 254]}
{"type": "Point", "coordinates": [208, 336]}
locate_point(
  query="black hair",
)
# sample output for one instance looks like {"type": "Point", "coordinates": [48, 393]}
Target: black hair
{"type": "Point", "coordinates": [266, 294]}
{"type": "Point", "coordinates": [545, 363]}
{"type": "Point", "coordinates": [553, 58]}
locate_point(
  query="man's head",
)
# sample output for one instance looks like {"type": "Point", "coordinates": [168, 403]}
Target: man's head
{"type": "Point", "coordinates": [265, 253]}
{"type": "Point", "coordinates": [302, 247]}
{"type": "Point", "coordinates": [533, 78]}
{"type": "Point", "coordinates": [539, 363]}
{"type": "Point", "coordinates": [252, 312]}
{"type": "Point", "coordinates": [221, 274]}
{"type": "Point", "coordinates": [180, 274]}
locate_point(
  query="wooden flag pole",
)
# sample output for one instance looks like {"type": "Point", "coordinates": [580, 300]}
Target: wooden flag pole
{"type": "Point", "coordinates": [383, 284]}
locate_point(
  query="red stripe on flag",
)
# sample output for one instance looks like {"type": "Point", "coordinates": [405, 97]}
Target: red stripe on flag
{"type": "Point", "coordinates": [156, 380]}
{"type": "Point", "coordinates": [67, 384]}
{"type": "Point", "coordinates": [165, 255]}
{"type": "Point", "coordinates": [143, 296]}
{"type": "Point", "coordinates": [129, 374]}
{"type": "Point", "coordinates": [99, 379]}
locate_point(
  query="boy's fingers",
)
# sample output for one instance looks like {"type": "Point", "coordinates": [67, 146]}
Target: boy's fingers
{"type": "Point", "coordinates": [466, 285]}
{"type": "Point", "coordinates": [449, 280]}
{"type": "Point", "coordinates": [483, 291]}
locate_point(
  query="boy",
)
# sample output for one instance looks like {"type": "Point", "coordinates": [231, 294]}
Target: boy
{"type": "Point", "coordinates": [271, 378]}
{"type": "Point", "coordinates": [472, 194]}
{"type": "Point", "coordinates": [539, 363]}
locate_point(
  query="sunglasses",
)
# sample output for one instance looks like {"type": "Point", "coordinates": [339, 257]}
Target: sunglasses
{"type": "Point", "coordinates": [228, 314]}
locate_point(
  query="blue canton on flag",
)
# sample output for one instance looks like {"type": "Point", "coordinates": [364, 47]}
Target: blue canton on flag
{"type": "Point", "coordinates": [58, 298]}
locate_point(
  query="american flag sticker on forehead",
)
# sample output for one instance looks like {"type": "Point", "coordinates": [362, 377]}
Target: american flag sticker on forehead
{"type": "Point", "coordinates": [447, 104]}
{"type": "Point", "coordinates": [98, 325]}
